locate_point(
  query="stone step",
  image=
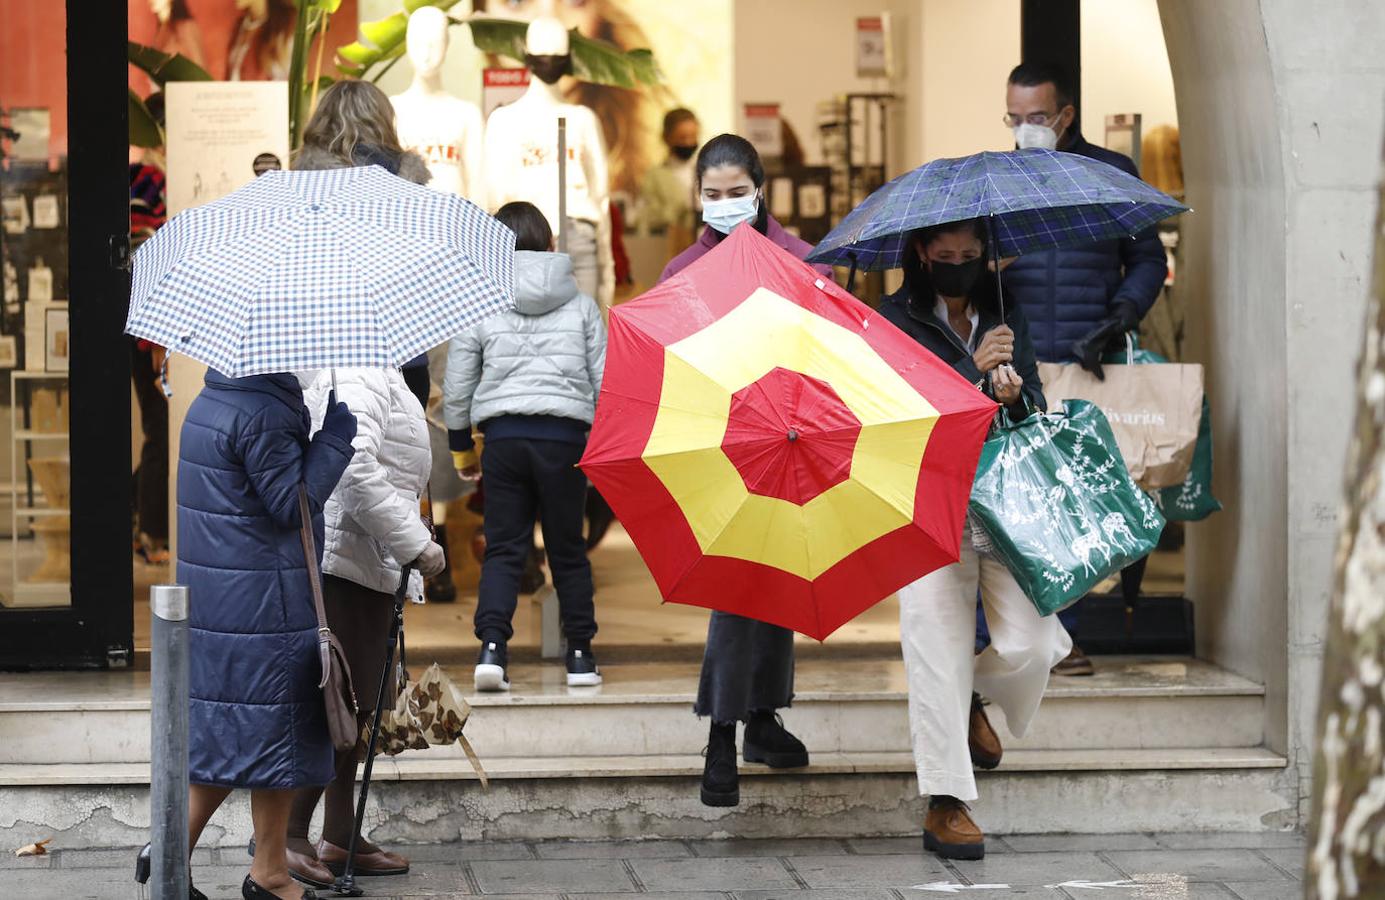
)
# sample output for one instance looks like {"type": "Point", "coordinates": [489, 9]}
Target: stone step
{"type": "Point", "coordinates": [427, 767]}
{"type": "Point", "coordinates": [426, 800]}
{"type": "Point", "coordinates": [847, 706]}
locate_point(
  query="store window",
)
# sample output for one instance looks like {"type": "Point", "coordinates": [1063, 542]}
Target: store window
{"type": "Point", "coordinates": [35, 338]}
{"type": "Point", "coordinates": [65, 566]}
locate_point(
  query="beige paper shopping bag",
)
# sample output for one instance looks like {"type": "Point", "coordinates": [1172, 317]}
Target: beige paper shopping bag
{"type": "Point", "coordinates": [1153, 409]}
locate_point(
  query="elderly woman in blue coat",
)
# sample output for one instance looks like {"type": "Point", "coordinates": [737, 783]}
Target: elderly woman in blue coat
{"type": "Point", "coordinates": [257, 716]}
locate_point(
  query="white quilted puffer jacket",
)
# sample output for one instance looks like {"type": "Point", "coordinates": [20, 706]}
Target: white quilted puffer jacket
{"type": "Point", "coordinates": [373, 521]}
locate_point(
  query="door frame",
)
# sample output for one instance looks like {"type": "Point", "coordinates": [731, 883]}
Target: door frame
{"type": "Point", "coordinates": [97, 630]}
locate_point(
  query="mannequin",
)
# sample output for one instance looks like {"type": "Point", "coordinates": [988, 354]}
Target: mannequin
{"type": "Point", "coordinates": [443, 129]}
{"type": "Point", "coordinates": [521, 160]}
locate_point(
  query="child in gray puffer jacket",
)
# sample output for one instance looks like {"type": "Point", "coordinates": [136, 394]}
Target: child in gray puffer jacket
{"type": "Point", "coordinates": [528, 379]}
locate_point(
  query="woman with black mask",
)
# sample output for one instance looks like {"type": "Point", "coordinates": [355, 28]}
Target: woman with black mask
{"type": "Point", "coordinates": [666, 197]}
{"type": "Point", "coordinates": [950, 304]}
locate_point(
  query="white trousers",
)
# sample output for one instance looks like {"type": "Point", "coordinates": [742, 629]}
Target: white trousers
{"type": "Point", "coordinates": [937, 628]}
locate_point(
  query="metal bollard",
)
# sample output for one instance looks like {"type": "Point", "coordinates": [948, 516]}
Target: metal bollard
{"type": "Point", "coordinates": [168, 785]}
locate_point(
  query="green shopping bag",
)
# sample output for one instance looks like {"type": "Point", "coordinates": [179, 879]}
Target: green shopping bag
{"type": "Point", "coordinates": [1058, 505]}
{"type": "Point", "coordinates": [1191, 501]}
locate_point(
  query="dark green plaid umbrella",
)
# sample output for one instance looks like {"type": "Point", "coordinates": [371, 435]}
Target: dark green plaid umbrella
{"type": "Point", "coordinates": [1033, 199]}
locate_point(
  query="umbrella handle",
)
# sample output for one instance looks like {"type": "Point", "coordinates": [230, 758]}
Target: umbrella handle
{"type": "Point", "coordinates": [851, 276]}
{"type": "Point", "coordinates": [995, 264]}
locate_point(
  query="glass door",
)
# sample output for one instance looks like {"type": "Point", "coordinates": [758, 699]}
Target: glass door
{"type": "Point", "coordinates": [65, 560]}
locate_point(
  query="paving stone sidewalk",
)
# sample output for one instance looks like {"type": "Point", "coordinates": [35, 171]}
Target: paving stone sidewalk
{"type": "Point", "coordinates": [1077, 867]}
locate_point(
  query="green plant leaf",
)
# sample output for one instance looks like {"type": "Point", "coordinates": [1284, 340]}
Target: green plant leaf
{"type": "Point", "coordinates": [503, 37]}
{"type": "Point", "coordinates": [411, 5]}
{"type": "Point", "coordinates": [387, 32]}
{"type": "Point", "coordinates": [164, 67]}
{"type": "Point", "coordinates": [144, 130]}
{"type": "Point", "coordinates": [358, 53]}
{"type": "Point", "coordinates": [594, 61]}
{"type": "Point", "coordinates": [645, 66]}
{"type": "Point", "coordinates": [328, 6]}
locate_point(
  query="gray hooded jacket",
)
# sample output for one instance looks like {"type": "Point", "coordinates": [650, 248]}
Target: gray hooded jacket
{"type": "Point", "coordinates": [543, 358]}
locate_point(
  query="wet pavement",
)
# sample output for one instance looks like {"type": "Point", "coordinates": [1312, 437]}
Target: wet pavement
{"type": "Point", "coordinates": [1199, 866]}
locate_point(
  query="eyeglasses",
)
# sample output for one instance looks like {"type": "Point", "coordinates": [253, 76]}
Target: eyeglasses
{"type": "Point", "coordinates": [1013, 121]}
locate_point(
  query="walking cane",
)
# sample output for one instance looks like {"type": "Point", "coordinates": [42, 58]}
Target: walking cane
{"type": "Point", "coordinates": [346, 883]}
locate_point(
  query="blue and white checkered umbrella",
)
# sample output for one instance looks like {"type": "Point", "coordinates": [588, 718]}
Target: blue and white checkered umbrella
{"type": "Point", "coordinates": [317, 269]}
{"type": "Point", "coordinates": [1034, 199]}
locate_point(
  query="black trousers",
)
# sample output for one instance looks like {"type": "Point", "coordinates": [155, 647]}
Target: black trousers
{"type": "Point", "coordinates": [419, 384]}
{"type": "Point", "coordinates": [151, 478]}
{"type": "Point", "coordinates": [529, 481]}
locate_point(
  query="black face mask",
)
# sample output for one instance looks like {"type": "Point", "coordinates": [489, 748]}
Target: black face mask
{"type": "Point", "coordinates": [956, 279]}
{"type": "Point", "coordinates": [548, 69]}
{"type": "Point", "coordinates": [683, 151]}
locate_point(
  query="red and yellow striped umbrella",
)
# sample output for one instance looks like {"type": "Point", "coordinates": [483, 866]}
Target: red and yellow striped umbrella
{"type": "Point", "coordinates": [774, 447]}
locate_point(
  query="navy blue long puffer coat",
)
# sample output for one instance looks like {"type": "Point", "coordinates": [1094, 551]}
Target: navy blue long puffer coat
{"type": "Point", "coordinates": [1067, 293]}
{"type": "Point", "coordinates": [257, 717]}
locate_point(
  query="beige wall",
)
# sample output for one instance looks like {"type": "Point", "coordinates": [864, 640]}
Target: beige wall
{"type": "Point", "coordinates": [1125, 65]}
{"type": "Point", "coordinates": [799, 52]}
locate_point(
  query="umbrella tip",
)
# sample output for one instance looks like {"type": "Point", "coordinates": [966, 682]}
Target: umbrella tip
{"type": "Point", "coordinates": [793, 434]}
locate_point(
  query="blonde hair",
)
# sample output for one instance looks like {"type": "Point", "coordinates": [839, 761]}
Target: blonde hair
{"type": "Point", "coordinates": [350, 113]}
{"type": "Point", "coordinates": [1161, 158]}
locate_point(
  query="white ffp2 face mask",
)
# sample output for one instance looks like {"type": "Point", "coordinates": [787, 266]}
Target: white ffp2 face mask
{"type": "Point", "coordinates": [725, 215]}
{"type": "Point", "coordinates": [1029, 135]}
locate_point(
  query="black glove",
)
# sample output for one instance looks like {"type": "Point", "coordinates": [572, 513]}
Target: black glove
{"type": "Point", "coordinates": [1091, 347]}
{"type": "Point", "coordinates": [339, 420]}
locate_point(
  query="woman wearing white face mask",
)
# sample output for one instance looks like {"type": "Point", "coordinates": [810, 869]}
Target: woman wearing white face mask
{"type": "Point", "coordinates": [731, 191]}
{"type": "Point", "coordinates": [747, 668]}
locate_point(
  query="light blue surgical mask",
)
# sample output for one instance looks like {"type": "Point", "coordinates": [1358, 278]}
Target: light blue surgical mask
{"type": "Point", "coordinates": [725, 215]}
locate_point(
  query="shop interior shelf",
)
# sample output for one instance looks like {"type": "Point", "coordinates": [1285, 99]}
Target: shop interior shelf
{"type": "Point", "coordinates": [40, 435]}
{"type": "Point", "coordinates": [37, 512]}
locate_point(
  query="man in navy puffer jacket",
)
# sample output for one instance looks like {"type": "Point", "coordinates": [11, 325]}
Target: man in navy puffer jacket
{"type": "Point", "coordinates": [1077, 301]}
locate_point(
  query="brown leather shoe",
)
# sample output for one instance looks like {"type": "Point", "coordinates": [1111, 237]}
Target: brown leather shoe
{"type": "Point", "coordinates": [308, 870]}
{"type": "Point", "coordinates": [1075, 663]}
{"type": "Point", "coordinates": [948, 830]}
{"type": "Point", "coordinates": [982, 740]}
{"type": "Point", "coordinates": [369, 860]}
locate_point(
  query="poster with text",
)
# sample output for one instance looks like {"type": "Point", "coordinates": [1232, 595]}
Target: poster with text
{"type": "Point", "coordinates": [216, 131]}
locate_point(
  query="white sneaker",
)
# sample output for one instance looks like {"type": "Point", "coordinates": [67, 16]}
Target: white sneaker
{"type": "Point", "coordinates": [491, 674]}
{"type": "Point", "coordinates": [582, 670]}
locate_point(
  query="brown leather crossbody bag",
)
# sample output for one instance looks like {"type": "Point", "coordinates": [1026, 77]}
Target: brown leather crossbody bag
{"type": "Point", "coordinates": [337, 693]}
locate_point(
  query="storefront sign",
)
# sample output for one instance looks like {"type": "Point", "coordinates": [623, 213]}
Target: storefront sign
{"type": "Point", "coordinates": [873, 46]}
{"type": "Point", "coordinates": [763, 129]}
{"type": "Point", "coordinates": [216, 130]}
{"type": "Point", "coordinates": [501, 87]}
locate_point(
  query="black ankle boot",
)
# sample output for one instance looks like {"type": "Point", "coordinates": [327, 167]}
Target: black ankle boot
{"type": "Point", "coordinates": [768, 742]}
{"type": "Point", "coordinates": [720, 780]}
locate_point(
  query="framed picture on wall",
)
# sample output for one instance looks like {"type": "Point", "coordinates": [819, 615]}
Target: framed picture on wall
{"type": "Point", "coordinates": [1123, 135]}
{"type": "Point", "coordinates": [57, 346]}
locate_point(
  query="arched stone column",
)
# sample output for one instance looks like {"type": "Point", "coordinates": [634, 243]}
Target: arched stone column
{"type": "Point", "coordinates": [1280, 107]}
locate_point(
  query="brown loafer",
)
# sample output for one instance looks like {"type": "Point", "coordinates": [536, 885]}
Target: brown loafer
{"type": "Point", "coordinates": [369, 861]}
{"type": "Point", "coordinates": [950, 832]}
{"type": "Point", "coordinates": [1075, 663]}
{"type": "Point", "coordinates": [308, 870]}
{"type": "Point", "coordinates": [982, 740]}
